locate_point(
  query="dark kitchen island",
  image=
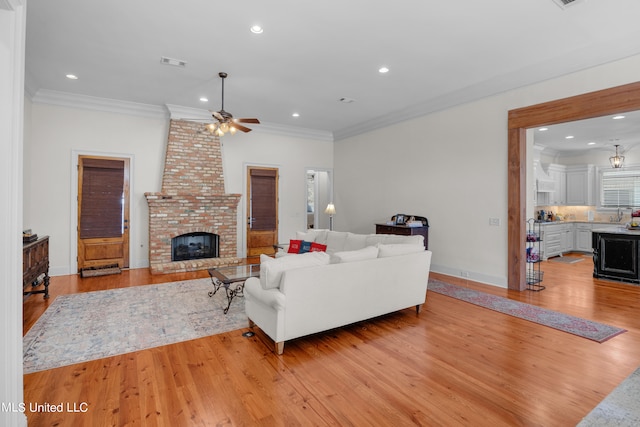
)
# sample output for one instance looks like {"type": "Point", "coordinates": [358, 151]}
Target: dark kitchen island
{"type": "Point", "coordinates": [615, 254]}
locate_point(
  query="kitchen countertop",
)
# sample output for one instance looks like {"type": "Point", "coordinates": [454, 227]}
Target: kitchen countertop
{"type": "Point", "coordinates": [577, 221]}
{"type": "Point", "coordinates": [619, 230]}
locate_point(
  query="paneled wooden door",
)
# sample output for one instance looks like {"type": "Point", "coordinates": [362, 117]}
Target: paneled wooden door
{"type": "Point", "coordinates": [103, 211]}
{"type": "Point", "coordinates": [262, 210]}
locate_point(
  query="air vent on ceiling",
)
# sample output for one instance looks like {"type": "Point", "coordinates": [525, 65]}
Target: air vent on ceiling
{"type": "Point", "coordinates": [171, 61]}
{"type": "Point", "coordinates": [564, 3]}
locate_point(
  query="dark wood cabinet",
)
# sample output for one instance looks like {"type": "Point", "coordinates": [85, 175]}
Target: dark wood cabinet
{"type": "Point", "coordinates": [615, 256]}
{"type": "Point", "coordinates": [403, 230]}
{"type": "Point", "coordinates": [35, 263]}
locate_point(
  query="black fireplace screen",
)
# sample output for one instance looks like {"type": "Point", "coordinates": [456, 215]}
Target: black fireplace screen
{"type": "Point", "coordinates": [194, 246]}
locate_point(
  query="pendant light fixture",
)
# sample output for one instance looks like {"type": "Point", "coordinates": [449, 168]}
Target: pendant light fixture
{"type": "Point", "coordinates": [617, 160]}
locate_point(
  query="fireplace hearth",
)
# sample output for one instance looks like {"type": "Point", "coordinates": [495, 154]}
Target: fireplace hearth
{"type": "Point", "coordinates": [194, 246]}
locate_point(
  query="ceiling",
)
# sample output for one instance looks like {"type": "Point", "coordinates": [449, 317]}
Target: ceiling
{"type": "Point", "coordinates": [601, 133]}
{"type": "Point", "coordinates": [312, 54]}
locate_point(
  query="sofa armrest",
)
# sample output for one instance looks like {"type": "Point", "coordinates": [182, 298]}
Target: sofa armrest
{"type": "Point", "coordinates": [269, 297]}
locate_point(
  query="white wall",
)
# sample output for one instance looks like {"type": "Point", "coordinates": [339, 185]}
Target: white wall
{"type": "Point", "coordinates": [451, 166]}
{"type": "Point", "coordinates": [292, 156]}
{"type": "Point", "coordinates": [56, 132]}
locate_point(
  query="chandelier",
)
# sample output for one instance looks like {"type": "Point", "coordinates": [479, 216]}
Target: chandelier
{"type": "Point", "coordinates": [617, 160]}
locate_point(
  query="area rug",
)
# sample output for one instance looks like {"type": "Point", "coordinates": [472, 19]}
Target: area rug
{"type": "Point", "coordinates": [81, 327]}
{"type": "Point", "coordinates": [595, 331]}
{"type": "Point", "coordinates": [565, 259]}
{"type": "Point", "coordinates": [620, 408]}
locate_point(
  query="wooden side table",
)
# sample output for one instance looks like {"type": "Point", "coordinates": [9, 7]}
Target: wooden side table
{"type": "Point", "coordinates": [403, 230]}
{"type": "Point", "coordinates": [35, 262]}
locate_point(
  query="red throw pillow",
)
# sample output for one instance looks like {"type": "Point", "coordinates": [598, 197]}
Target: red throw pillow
{"type": "Point", "coordinates": [294, 246]}
{"type": "Point", "coordinates": [317, 247]}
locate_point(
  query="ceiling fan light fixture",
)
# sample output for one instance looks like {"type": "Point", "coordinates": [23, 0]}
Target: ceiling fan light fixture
{"type": "Point", "coordinates": [616, 161]}
{"type": "Point", "coordinates": [232, 130]}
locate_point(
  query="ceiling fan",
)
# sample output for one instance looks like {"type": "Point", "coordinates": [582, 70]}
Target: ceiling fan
{"type": "Point", "coordinates": [224, 120]}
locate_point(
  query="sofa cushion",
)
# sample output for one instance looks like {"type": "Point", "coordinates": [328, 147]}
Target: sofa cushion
{"type": "Point", "coordinates": [391, 239]}
{"type": "Point", "coordinates": [369, 252]}
{"type": "Point", "coordinates": [354, 242]}
{"type": "Point", "coordinates": [398, 249]}
{"type": "Point", "coordinates": [336, 241]}
{"type": "Point", "coordinates": [311, 235]}
{"type": "Point", "coordinates": [271, 269]}
{"type": "Point", "coordinates": [374, 239]}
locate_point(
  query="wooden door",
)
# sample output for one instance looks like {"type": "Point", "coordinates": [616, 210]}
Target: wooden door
{"type": "Point", "coordinates": [262, 211]}
{"type": "Point", "coordinates": [103, 212]}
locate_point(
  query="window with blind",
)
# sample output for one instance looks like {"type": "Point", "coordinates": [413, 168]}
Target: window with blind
{"type": "Point", "coordinates": [102, 198]}
{"type": "Point", "coordinates": [620, 188]}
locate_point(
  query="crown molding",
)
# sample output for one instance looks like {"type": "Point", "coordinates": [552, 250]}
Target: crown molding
{"type": "Point", "coordinates": [11, 4]}
{"type": "Point", "coordinates": [64, 99]}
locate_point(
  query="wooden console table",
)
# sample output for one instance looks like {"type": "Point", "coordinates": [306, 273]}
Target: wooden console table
{"type": "Point", "coordinates": [35, 262]}
{"type": "Point", "coordinates": [403, 230]}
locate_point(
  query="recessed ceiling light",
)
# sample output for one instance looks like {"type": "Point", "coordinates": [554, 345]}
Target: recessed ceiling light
{"type": "Point", "coordinates": [256, 29]}
{"type": "Point", "coordinates": [569, 137]}
{"type": "Point", "coordinates": [72, 77]}
{"type": "Point", "coordinates": [618, 117]}
{"type": "Point", "coordinates": [383, 70]}
{"type": "Point", "coordinates": [543, 129]}
{"type": "Point", "coordinates": [203, 99]}
{"type": "Point", "coordinates": [172, 61]}
{"type": "Point", "coordinates": [591, 143]}
{"type": "Point", "coordinates": [295, 115]}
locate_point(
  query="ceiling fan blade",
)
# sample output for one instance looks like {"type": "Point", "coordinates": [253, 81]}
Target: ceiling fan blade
{"type": "Point", "coordinates": [247, 121]}
{"type": "Point", "coordinates": [240, 127]}
{"type": "Point", "coordinates": [217, 115]}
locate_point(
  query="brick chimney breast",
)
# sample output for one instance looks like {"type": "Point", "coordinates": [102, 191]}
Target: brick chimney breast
{"type": "Point", "coordinates": [192, 199]}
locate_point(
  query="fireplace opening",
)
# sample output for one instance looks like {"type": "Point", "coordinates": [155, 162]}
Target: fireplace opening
{"type": "Point", "coordinates": [195, 246]}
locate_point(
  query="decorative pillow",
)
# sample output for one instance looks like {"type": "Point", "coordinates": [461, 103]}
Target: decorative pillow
{"type": "Point", "coordinates": [294, 246]}
{"type": "Point", "coordinates": [398, 249]}
{"type": "Point", "coordinates": [370, 252]}
{"type": "Point", "coordinates": [271, 269]}
{"type": "Point", "coordinates": [305, 247]}
{"type": "Point", "coordinates": [317, 247]}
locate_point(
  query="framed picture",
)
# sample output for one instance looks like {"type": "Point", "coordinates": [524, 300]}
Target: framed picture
{"type": "Point", "coordinates": [400, 219]}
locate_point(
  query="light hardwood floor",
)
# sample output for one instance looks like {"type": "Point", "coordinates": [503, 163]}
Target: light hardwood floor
{"type": "Point", "coordinates": [453, 364]}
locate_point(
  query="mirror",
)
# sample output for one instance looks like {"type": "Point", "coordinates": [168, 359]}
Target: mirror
{"type": "Point", "coordinates": [319, 187]}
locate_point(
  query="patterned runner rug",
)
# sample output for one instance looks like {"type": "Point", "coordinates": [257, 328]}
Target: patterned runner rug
{"type": "Point", "coordinates": [574, 325]}
{"type": "Point", "coordinates": [81, 327]}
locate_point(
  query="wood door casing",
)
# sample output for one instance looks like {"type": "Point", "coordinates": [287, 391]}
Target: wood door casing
{"type": "Point", "coordinates": [262, 211]}
{"type": "Point", "coordinates": [103, 211]}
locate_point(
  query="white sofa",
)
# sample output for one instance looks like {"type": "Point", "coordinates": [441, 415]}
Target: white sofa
{"type": "Point", "coordinates": [356, 279]}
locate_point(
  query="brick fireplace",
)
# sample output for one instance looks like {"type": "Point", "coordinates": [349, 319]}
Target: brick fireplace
{"type": "Point", "coordinates": [192, 201]}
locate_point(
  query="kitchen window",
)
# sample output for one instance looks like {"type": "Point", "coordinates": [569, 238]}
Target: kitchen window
{"type": "Point", "coordinates": [620, 188]}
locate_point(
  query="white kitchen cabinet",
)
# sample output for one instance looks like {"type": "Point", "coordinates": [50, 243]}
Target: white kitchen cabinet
{"type": "Point", "coordinates": [583, 237]}
{"type": "Point", "coordinates": [580, 184]}
{"type": "Point", "coordinates": [553, 239]}
{"type": "Point", "coordinates": [567, 237]}
{"type": "Point", "coordinates": [558, 174]}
